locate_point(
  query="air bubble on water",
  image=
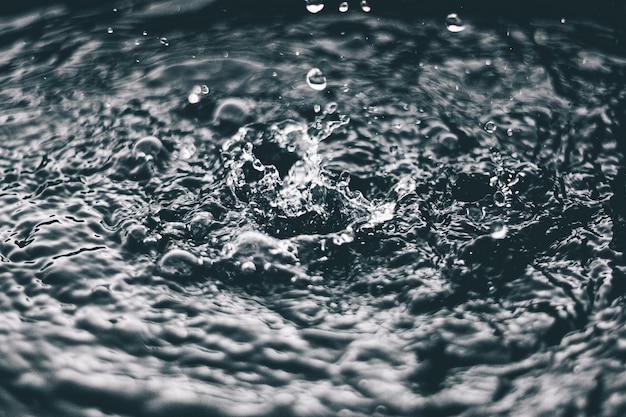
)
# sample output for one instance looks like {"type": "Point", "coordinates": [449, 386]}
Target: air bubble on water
{"type": "Point", "coordinates": [258, 165]}
{"type": "Point", "coordinates": [490, 127]}
{"type": "Point", "coordinates": [147, 148]}
{"type": "Point", "coordinates": [194, 95]}
{"type": "Point", "coordinates": [314, 6]}
{"type": "Point", "coordinates": [343, 7]}
{"type": "Point", "coordinates": [164, 42]}
{"type": "Point", "coordinates": [200, 225]}
{"type": "Point", "coordinates": [110, 30]}
{"type": "Point", "coordinates": [499, 199]}
{"type": "Point", "coordinates": [291, 147]}
{"type": "Point", "coordinates": [315, 79]}
{"type": "Point", "coordinates": [248, 267]}
{"type": "Point", "coordinates": [232, 111]}
{"type": "Point", "coordinates": [204, 89]}
{"type": "Point", "coordinates": [330, 108]}
{"type": "Point", "coordinates": [454, 23]}
{"type": "Point", "coordinates": [365, 6]}
{"type": "Point", "coordinates": [178, 263]}
{"type": "Point", "coordinates": [499, 232]}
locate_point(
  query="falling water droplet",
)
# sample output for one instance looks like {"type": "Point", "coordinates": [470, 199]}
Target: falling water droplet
{"type": "Point", "coordinates": [110, 30]}
{"type": "Point", "coordinates": [454, 23]}
{"type": "Point", "coordinates": [316, 80]}
{"type": "Point", "coordinates": [164, 42]}
{"type": "Point", "coordinates": [509, 132]}
{"type": "Point", "coordinates": [314, 6]}
{"type": "Point", "coordinates": [343, 7]}
{"type": "Point", "coordinates": [145, 33]}
{"type": "Point", "coordinates": [365, 6]}
{"type": "Point", "coordinates": [490, 127]}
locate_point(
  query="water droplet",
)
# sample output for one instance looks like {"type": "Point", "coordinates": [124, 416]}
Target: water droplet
{"type": "Point", "coordinates": [178, 263]}
{"type": "Point", "coordinates": [316, 80]}
{"type": "Point", "coordinates": [164, 42]}
{"type": "Point", "coordinates": [454, 23]}
{"type": "Point", "coordinates": [365, 6]}
{"type": "Point", "coordinates": [490, 127]}
{"type": "Point", "coordinates": [562, 20]}
{"type": "Point", "coordinates": [317, 108]}
{"type": "Point", "coordinates": [147, 148]}
{"type": "Point", "coordinates": [343, 7]}
{"type": "Point", "coordinates": [499, 199]}
{"type": "Point", "coordinates": [314, 6]}
{"type": "Point", "coordinates": [145, 33]}
{"type": "Point", "coordinates": [509, 132]}
{"type": "Point", "coordinates": [205, 89]}
{"type": "Point", "coordinates": [110, 30]}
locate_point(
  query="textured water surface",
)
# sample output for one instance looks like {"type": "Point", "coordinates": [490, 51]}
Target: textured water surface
{"type": "Point", "coordinates": [296, 210]}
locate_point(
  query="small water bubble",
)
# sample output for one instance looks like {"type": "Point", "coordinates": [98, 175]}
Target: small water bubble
{"type": "Point", "coordinates": [330, 108]}
{"type": "Point", "coordinates": [490, 127]}
{"type": "Point", "coordinates": [164, 42]}
{"type": "Point", "coordinates": [317, 108]}
{"type": "Point", "coordinates": [365, 6]}
{"type": "Point", "coordinates": [205, 89]}
{"type": "Point", "coordinates": [316, 80]}
{"type": "Point", "coordinates": [110, 30]}
{"type": "Point", "coordinates": [454, 23]}
{"type": "Point", "coordinates": [291, 148]}
{"type": "Point", "coordinates": [178, 263]}
{"type": "Point", "coordinates": [248, 267]}
{"type": "Point", "coordinates": [314, 6]}
{"type": "Point", "coordinates": [343, 7]}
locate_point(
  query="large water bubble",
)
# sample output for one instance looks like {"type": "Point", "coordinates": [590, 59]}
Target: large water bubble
{"type": "Point", "coordinates": [232, 111]}
{"type": "Point", "coordinates": [178, 263]}
{"type": "Point", "coordinates": [147, 148]}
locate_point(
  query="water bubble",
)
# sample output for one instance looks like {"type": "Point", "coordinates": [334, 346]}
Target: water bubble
{"type": "Point", "coordinates": [509, 132]}
{"type": "Point", "coordinates": [178, 263]}
{"type": "Point", "coordinates": [147, 148]}
{"type": "Point", "coordinates": [110, 30]}
{"type": "Point", "coordinates": [343, 7]}
{"type": "Point", "coordinates": [365, 6]}
{"type": "Point", "coordinates": [490, 127]}
{"type": "Point", "coordinates": [200, 225]}
{"type": "Point", "coordinates": [204, 89]}
{"type": "Point", "coordinates": [316, 80]}
{"type": "Point", "coordinates": [258, 165]}
{"type": "Point", "coordinates": [248, 267]}
{"type": "Point", "coordinates": [164, 42]}
{"type": "Point", "coordinates": [330, 108]}
{"type": "Point", "coordinates": [314, 6]}
{"type": "Point", "coordinates": [194, 95]}
{"type": "Point", "coordinates": [317, 108]}
{"type": "Point", "coordinates": [454, 23]}
{"type": "Point", "coordinates": [232, 111]}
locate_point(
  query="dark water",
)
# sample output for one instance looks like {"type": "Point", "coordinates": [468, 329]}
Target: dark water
{"type": "Point", "coordinates": [431, 222]}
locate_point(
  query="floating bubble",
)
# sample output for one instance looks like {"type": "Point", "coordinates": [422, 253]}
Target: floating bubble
{"type": "Point", "coordinates": [316, 80]}
{"type": "Point", "coordinates": [194, 95]}
{"type": "Point", "coordinates": [178, 263]}
{"type": "Point", "coordinates": [314, 6]}
{"type": "Point", "coordinates": [248, 267]}
{"type": "Point", "coordinates": [490, 127]}
{"type": "Point", "coordinates": [343, 7]}
{"type": "Point", "coordinates": [232, 111]}
{"type": "Point", "coordinates": [200, 225]}
{"type": "Point", "coordinates": [147, 148]}
{"type": "Point", "coordinates": [454, 23]}
{"type": "Point", "coordinates": [164, 42]}
{"type": "Point", "coordinates": [365, 6]}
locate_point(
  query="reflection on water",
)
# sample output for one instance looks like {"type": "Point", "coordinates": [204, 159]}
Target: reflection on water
{"type": "Point", "coordinates": [318, 209]}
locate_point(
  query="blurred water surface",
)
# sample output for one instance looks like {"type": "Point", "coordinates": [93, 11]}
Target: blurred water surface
{"type": "Point", "coordinates": [283, 209]}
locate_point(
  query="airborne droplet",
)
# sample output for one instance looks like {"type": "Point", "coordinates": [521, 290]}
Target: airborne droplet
{"type": "Point", "coordinates": [365, 6]}
{"type": "Point", "coordinates": [454, 23]}
{"type": "Point", "coordinates": [316, 80]}
{"type": "Point", "coordinates": [314, 6]}
{"type": "Point", "coordinates": [164, 42]}
{"type": "Point", "coordinates": [343, 7]}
